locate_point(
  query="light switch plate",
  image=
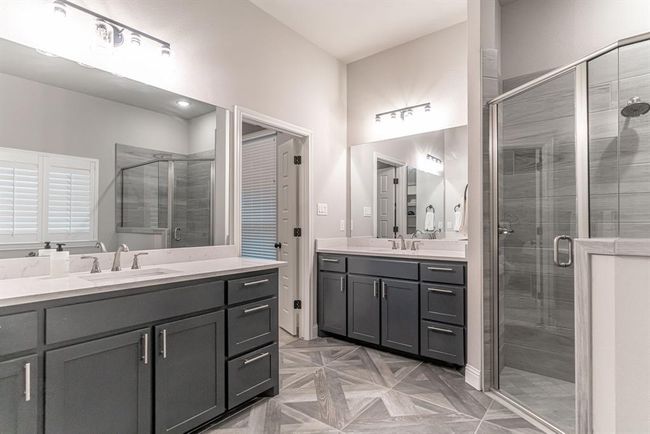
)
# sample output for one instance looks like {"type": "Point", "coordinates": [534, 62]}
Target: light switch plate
{"type": "Point", "coordinates": [322, 209]}
{"type": "Point", "coordinates": [342, 225]}
{"type": "Point", "coordinates": [367, 211]}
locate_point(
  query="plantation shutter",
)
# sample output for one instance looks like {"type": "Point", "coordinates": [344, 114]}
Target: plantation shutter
{"type": "Point", "coordinates": [259, 198]}
{"type": "Point", "coordinates": [19, 197]}
{"type": "Point", "coordinates": [70, 198]}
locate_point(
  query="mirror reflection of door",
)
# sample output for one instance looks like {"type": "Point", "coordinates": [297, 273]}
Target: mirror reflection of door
{"type": "Point", "coordinates": [386, 205]}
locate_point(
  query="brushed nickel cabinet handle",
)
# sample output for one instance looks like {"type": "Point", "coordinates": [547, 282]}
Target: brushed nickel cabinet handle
{"type": "Point", "coordinates": [163, 349]}
{"type": "Point", "coordinates": [256, 358]}
{"type": "Point", "coordinates": [437, 329]}
{"type": "Point", "coordinates": [374, 289]}
{"type": "Point", "coordinates": [330, 260]}
{"type": "Point", "coordinates": [341, 283]}
{"type": "Point", "coordinates": [444, 291]}
{"type": "Point", "coordinates": [145, 349]}
{"type": "Point", "coordinates": [28, 382]}
{"type": "Point", "coordinates": [256, 282]}
{"type": "Point", "coordinates": [255, 309]}
{"type": "Point", "coordinates": [439, 269]}
{"type": "Point", "coordinates": [383, 290]}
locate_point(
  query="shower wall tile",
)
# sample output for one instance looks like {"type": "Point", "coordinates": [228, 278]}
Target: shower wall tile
{"type": "Point", "coordinates": [603, 96]}
{"type": "Point", "coordinates": [635, 208]}
{"type": "Point", "coordinates": [634, 59]}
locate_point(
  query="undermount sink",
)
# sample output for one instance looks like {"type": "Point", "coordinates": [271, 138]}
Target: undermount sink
{"type": "Point", "coordinates": [127, 274]}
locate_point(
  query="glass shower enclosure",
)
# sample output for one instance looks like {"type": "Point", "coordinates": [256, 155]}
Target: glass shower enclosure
{"type": "Point", "coordinates": [171, 198]}
{"type": "Point", "coordinates": [569, 157]}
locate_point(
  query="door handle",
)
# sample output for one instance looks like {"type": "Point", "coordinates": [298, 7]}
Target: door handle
{"type": "Point", "coordinates": [444, 291]}
{"type": "Point", "coordinates": [255, 309]}
{"type": "Point", "coordinates": [440, 269]}
{"type": "Point", "coordinates": [256, 358]}
{"type": "Point", "coordinates": [277, 245]}
{"type": "Point", "coordinates": [28, 382]}
{"type": "Point", "coordinates": [177, 233]}
{"type": "Point", "coordinates": [145, 349]}
{"type": "Point", "coordinates": [329, 260]}
{"type": "Point", "coordinates": [438, 329]}
{"type": "Point", "coordinates": [556, 251]}
{"type": "Point", "coordinates": [341, 283]}
{"type": "Point", "coordinates": [383, 290]}
{"type": "Point", "coordinates": [256, 282]}
{"type": "Point", "coordinates": [163, 343]}
{"type": "Point", "coordinates": [374, 289]}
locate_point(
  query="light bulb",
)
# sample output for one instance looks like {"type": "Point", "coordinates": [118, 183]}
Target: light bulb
{"type": "Point", "coordinates": [59, 9]}
{"type": "Point", "coordinates": [165, 51]}
{"type": "Point", "coordinates": [427, 108]}
{"type": "Point", "coordinates": [182, 103]}
{"type": "Point", "coordinates": [103, 34]}
{"type": "Point", "coordinates": [135, 41]}
{"type": "Point", "coordinates": [377, 118]}
{"type": "Point", "coordinates": [393, 115]}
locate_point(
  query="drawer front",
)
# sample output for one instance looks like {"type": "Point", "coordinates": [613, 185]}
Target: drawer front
{"type": "Point", "coordinates": [443, 272]}
{"type": "Point", "coordinates": [442, 303]}
{"type": "Point", "coordinates": [251, 288]}
{"type": "Point", "coordinates": [18, 332]}
{"type": "Point", "coordinates": [334, 263]}
{"type": "Point", "coordinates": [94, 317]}
{"type": "Point", "coordinates": [252, 325]}
{"type": "Point", "coordinates": [251, 374]}
{"type": "Point", "coordinates": [383, 268]}
{"type": "Point", "coordinates": [442, 342]}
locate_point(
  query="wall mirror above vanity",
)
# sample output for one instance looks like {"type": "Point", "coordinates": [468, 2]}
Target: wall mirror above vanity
{"type": "Point", "coordinates": [412, 186]}
{"type": "Point", "coordinates": [87, 156]}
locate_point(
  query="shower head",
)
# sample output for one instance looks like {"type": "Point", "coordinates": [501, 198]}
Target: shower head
{"type": "Point", "coordinates": [635, 107]}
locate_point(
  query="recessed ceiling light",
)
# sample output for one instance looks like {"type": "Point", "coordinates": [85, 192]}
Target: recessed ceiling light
{"type": "Point", "coordinates": [182, 103]}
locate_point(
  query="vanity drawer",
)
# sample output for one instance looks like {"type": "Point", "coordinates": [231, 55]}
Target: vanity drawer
{"type": "Point", "coordinates": [18, 332]}
{"type": "Point", "coordinates": [442, 303]}
{"type": "Point", "coordinates": [443, 272]}
{"type": "Point", "coordinates": [94, 317]}
{"type": "Point", "coordinates": [334, 263]}
{"type": "Point", "coordinates": [250, 288]}
{"type": "Point", "coordinates": [251, 374]}
{"type": "Point", "coordinates": [252, 325]}
{"type": "Point", "coordinates": [383, 267]}
{"type": "Point", "coordinates": [442, 342]}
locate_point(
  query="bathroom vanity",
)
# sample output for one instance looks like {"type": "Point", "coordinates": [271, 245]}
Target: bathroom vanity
{"type": "Point", "coordinates": [163, 353]}
{"type": "Point", "coordinates": [406, 301]}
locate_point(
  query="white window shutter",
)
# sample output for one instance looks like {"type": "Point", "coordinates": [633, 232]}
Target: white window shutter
{"type": "Point", "coordinates": [259, 198]}
{"type": "Point", "coordinates": [19, 197]}
{"type": "Point", "coordinates": [70, 198]}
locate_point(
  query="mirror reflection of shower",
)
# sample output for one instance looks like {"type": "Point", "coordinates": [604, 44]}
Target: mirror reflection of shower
{"type": "Point", "coordinates": [635, 108]}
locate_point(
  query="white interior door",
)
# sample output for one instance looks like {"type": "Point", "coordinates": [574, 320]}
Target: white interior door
{"type": "Point", "coordinates": [287, 220]}
{"type": "Point", "coordinates": [385, 202]}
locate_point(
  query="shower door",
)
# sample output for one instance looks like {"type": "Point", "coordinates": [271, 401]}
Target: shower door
{"type": "Point", "coordinates": [536, 214]}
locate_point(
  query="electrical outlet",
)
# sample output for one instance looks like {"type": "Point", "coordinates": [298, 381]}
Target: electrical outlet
{"type": "Point", "coordinates": [322, 209]}
{"type": "Point", "coordinates": [342, 225]}
{"type": "Point", "coordinates": [367, 211]}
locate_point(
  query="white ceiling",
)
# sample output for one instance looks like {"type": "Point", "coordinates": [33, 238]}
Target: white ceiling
{"type": "Point", "coordinates": [353, 29]}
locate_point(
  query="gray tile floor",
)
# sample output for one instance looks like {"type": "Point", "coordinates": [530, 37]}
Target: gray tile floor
{"type": "Point", "coordinates": [331, 386]}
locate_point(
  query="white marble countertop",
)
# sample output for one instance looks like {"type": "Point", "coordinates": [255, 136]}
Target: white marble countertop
{"type": "Point", "coordinates": [41, 288]}
{"type": "Point", "coordinates": [438, 255]}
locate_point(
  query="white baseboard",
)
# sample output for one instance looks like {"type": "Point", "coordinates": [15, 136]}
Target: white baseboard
{"type": "Point", "coordinates": [473, 377]}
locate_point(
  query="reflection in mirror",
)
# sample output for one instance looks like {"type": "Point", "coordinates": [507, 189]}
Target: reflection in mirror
{"type": "Point", "coordinates": [89, 157]}
{"type": "Point", "coordinates": [411, 186]}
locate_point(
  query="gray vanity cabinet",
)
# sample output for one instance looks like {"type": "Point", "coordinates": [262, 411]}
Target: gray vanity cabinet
{"type": "Point", "coordinates": [363, 308]}
{"type": "Point", "coordinates": [400, 315]}
{"type": "Point", "coordinates": [332, 302]}
{"type": "Point", "coordinates": [189, 372]}
{"type": "Point", "coordinates": [18, 397]}
{"type": "Point", "coordinates": [101, 386]}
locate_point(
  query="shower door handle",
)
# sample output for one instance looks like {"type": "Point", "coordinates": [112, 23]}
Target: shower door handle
{"type": "Point", "coordinates": [556, 251]}
{"type": "Point", "coordinates": [505, 231]}
{"type": "Point", "coordinates": [177, 233]}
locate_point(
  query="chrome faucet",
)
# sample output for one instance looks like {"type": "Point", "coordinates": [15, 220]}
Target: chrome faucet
{"type": "Point", "coordinates": [116, 258]}
{"type": "Point", "coordinates": [101, 246]}
{"type": "Point", "coordinates": [415, 234]}
{"type": "Point", "coordinates": [402, 244]}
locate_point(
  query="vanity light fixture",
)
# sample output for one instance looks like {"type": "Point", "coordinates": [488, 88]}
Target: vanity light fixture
{"type": "Point", "coordinates": [434, 159]}
{"type": "Point", "coordinates": [182, 103]}
{"type": "Point", "coordinates": [404, 112]}
{"type": "Point", "coordinates": [108, 33]}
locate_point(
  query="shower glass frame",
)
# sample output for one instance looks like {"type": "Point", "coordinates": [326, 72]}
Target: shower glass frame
{"type": "Point", "coordinates": [491, 300]}
{"type": "Point", "coordinates": [171, 183]}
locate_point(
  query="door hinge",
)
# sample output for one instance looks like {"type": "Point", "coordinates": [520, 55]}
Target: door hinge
{"type": "Point", "coordinates": [297, 160]}
{"type": "Point", "coordinates": [297, 232]}
{"type": "Point", "coordinates": [297, 304]}
{"type": "Point", "coordinates": [396, 229]}
{"type": "Point", "coordinates": [395, 181]}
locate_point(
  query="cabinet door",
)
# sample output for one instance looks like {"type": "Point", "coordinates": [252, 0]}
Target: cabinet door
{"type": "Point", "coordinates": [363, 308]}
{"type": "Point", "coordinates": [18, 395]}
{"type": "Point", "coordinates": [101, 386]}
{"type": "Point", "coordinates": [400, 315]}
{"type": "Point", "coordinates": [189, 372]}
{"type": "Point", "coordinates": [332, 302]}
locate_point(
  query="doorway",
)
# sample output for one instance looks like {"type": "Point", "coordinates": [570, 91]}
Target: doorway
{"type": "Point", "coordinates": [272, 203]}
{"type": "Point", "coordinates": [389, 198]}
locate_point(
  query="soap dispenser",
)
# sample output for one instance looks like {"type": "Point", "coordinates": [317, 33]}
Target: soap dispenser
{"type": "Point", "coordinates": [59, 261]}
{"type": "Point", "coordinates": [47, 250]}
